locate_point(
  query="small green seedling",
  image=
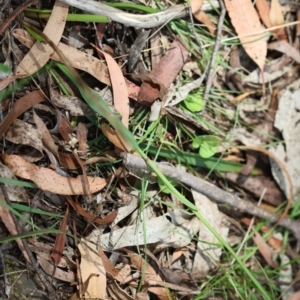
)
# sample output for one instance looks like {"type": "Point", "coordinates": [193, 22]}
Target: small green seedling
{"type": "Point", "coordinates": [4, 69]}
{"type": "Point", "coordinates": [194, 102]}
{"type": "Point", "coordinates": [163, 187]}
{"type": "Point", "coordinates": [209, 145]}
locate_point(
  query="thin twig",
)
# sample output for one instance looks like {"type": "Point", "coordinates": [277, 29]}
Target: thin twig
{"type": "Point", "coordinates": [212, 63]}
{"type": "Point", "coordinates": [133, 163]}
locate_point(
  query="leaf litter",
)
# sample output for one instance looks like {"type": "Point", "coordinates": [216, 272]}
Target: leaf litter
{"type": "Point", "coordinates": [143, 240]}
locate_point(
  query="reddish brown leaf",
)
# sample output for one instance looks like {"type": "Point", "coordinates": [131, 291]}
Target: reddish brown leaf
{"type": "Point", "coordinates": [246, 23]}
{"type": "Point", "coordinates": [19, 107]}
{"type": "Point", "coordinates": [108, 219]}
{"type": "Point", "coordinates": [60, 240]}
{"type": "Point", "coordinates": [164, 72]}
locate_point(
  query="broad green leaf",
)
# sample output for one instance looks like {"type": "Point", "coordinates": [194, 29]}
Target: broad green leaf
{"type": "Point", "coordinates": [5, 69]}
{"type": "Point", "coordinates": [194, 102]}
{"type": "Point", "coordinates": [208, 144]}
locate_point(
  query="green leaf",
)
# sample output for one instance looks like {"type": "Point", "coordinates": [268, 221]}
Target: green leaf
{"type": "Point", "coordinates": [163, 187]}
{"type": "Point", "coordinates": [5, 69]}
{"type": "Point", "coordinates": [194, 102]}
{"type": "Point", "coordinates": [209, 145]}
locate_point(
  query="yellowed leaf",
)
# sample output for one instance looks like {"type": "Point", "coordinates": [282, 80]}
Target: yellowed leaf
{"type": "Point", "coordinates": [276, 15]}
{"type": "Point", "coordinates": [246, 23]}
{"type": "Point", "coordinates": [49, 180]}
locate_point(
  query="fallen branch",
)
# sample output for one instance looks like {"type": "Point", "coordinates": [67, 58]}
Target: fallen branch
{"type": "Point", "coordinates": [137, 165]}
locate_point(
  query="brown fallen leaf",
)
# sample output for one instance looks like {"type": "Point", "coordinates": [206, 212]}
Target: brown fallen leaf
{"type": "Point", "coordinates": [40, 52]}
{"type": "Point", "coordinates": [202, 17]}
{"type": "Point", "coordinates": [265, 250]}
{"type": "Point", "coordinates": [91, 263]}
{"type": "Point", "coordinates": [263, 8]}
{"type": "Point", "coordinates": [246, 23]}
{"type": "Point", "coordinates": [79, 60]}
{"type": "Point", "coordinates": [60, 240]}
{"type": "Point", "coordinates": [164, 72]}
{"type": "Point", "coordinates": [90, 217]}
{"type": "Point", "coordinates": [150, 274]}
{"type": "Point", "coordinates": [276, 16]}
{"type": "Point", "coordinates": [113, 136]}
{"type": "Point", "coordinates": [59, 274]}
{"type": "Point", "coordinates": [120, 92]}
{"type": "Point", "coordinates": [49, 180]}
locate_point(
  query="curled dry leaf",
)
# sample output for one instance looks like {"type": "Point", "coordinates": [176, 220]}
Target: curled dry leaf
{"type": "Point", "coordinates": [201, 16]}
{"type": "Point", "coordinates": [92, 218]}
{"type": "Point", "coordinates": [113, 136]}
{"type": "Point", "coordinates": [49, 180]}
{"type": "Point", "coordinates": [164, 72]}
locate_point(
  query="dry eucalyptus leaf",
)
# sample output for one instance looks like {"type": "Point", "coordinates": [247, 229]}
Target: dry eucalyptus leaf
{"type": "Point", "coordinates": [246, 23]}
{"type": "Point", "coordinates": [49, 180]}
{"type": "Point", "coordinates": [91, 263]}
{"type": "Point", "coordinates": [208, 252]}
